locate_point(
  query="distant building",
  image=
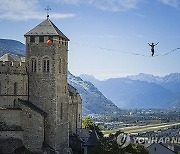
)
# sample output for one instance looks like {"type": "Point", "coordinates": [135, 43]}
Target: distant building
{"type": "Point", "coordinates": [158, 148]}
{"type": "Point", "coordinates": [38, 108]}
{"type": "Point", "coordinates": [91, 142]}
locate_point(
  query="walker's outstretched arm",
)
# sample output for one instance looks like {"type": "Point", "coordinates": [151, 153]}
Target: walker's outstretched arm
{"type": "Point", "coordinates": [157, 43]}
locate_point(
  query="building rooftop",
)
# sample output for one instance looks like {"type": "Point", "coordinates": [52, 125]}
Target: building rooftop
{"type": "Point", "coordinates": [159, 145]}
{"type": "Point", "coordinates": [72, 91]}
{"type": "Point", "coordinates": [46, 28]}
{"type": "Point", "coordinates": [93, 139]}
{"type": "Point", "coordinates": [33, 107]}
{"type": "Point", "coordinates": [83, 134]}
{"type": "Point", "coordinates": [12, 57]}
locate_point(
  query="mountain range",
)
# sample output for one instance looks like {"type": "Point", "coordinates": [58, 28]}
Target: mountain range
{"type": "Point", "coordinates": [171, 81]}
{"type": "Point", "coordinates": [93, 101]}
{"type": "Point", "coordinates": [141, 91]}
{"type": "Point", "coordinates": [11, 46]}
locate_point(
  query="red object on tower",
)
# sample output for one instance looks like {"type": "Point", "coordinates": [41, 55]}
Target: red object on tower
{"type": "Point", "coordinates": [49, 42]}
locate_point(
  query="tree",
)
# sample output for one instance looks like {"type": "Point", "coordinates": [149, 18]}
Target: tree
{"type": "Point", "coordinates": [108, 145]}
{"type": "Point", "coordinates": [87, 123]}
{"type": "Point", "coordinates": [136, 149]}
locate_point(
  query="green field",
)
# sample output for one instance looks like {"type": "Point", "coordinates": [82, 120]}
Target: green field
{"type": "Point", "coordinates": [140, 129]}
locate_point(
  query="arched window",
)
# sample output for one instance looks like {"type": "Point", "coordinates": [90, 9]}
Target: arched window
{"type": "Point", "coordinates": [33, 65]}
{"type": "Point", "coordinates": [15, 88]}
{"type": "Point", "coordinates": [46, 63]}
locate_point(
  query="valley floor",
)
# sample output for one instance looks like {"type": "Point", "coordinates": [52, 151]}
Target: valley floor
{"type": "Point", "coordinates": [142, 129]}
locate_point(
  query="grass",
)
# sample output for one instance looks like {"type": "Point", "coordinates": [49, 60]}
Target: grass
{"type": "Point", "coordinates": [140, 129]}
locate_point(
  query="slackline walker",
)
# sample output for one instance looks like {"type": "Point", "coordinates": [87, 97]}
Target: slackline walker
{"type": "Point", "coordinates": [152, 47]}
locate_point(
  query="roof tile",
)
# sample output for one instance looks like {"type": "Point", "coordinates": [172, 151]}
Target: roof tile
{"type": "Point", "coordinates": [46, 28]}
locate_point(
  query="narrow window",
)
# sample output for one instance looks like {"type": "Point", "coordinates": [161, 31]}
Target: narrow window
{"type": "Point", "coordinates": [46, 65]}
{"type": "Point", "coordinates": [14, 102]}
{"type": "Point", "coordinates": [59, 40]}
{"type": "Point", "coordinates": [65, 89]}
{"type": "Point", "coordinates": [32, 39]}
{"type": "Point", "coordinates": [79, 118]}
{"type": "Point", "coordinates": [15, 88]}
{"type": "Point", "coordinates": [41, 39]}
{"type": "Point", "coordinates": [50, 38]}
{"type": "Point", "coordinates": [61, 116]}
{"type": "Point", "coordinates": [33, 65]}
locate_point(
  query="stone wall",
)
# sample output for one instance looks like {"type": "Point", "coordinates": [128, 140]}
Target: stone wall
{"type": "Point", "coordinates": [33, 126]}
{"type": "Point", "coordinates": [79, 119]}
{"type": "Point", "coordinates": [9, 67]}
{"type": "Point", "coordinates": [13, 83]}
{"type": "Point", "coordinates": [75, 110]}
{"type": "Point", "coordinates": [11, 134]}
{"type": "Point", "coordinates": [10, 124]}
{"type": "Point", "coordinates": [10, 116]}
{"type": "Point", "coordinates": [73, 106]}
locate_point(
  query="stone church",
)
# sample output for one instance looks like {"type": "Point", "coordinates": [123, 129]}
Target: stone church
{"type": "Point", "coordinates": [38, 108]}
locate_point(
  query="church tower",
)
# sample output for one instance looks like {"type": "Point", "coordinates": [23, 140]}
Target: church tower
{"type": "Point", "coordinates": [46, 56]}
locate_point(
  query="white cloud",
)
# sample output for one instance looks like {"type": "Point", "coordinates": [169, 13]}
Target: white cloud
{"type": "Point", "coordinates": [110, 5]}
{"type": "Point", "coordinates": [140, 36]}
{"type": "Point", "coordinates": [61, 16]}
{"type": "Point", "coordinates": [69, 1]}
{"type": "Point", "coordinates": [115, 5]}
{"type": "Point", "coordinates": [24, 10]}
{"type": "Point", "coordinates": [172, 3]}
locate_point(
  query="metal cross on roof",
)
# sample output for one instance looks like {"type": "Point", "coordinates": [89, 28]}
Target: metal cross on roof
{"type": "Point", "coordinates": [48, 9]}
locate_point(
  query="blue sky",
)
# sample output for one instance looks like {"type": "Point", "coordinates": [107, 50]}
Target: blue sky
{"type": "Point", "coordinates": [119, 25]}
